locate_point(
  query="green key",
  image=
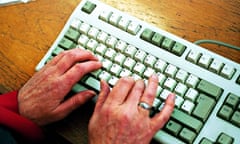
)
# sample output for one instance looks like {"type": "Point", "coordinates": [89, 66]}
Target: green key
{"type": "Point", "coordinates": [78, 88]}
{"type": "Point", "coordinates": [173, 127]}
{"type": "Point", "coordinates": [232, 100]}
{"type": "Point", "coordinates": [157, 39]}
{"type": "Point", "coordinates": [224, 139]}
{"type": "Point", "coordinates": [57, 50]}
{"type": "Point", "coordinates": [186, 119]}
{"type": "Point", "coordinates": [72, 34]}
{"type": "Point", "coordinates": [66, 43]}
{"type": "Point", "coordinates": [204, 106]}
{"type": "Point", "coordinates": [88, 7]}
{"type": "Point", "coordinates": [225, 112]}
{"type": "Point", "coordinates": [93, 83]}
{"type": "Point", "coordinates": [236, 118]}
{"type": "Point", "coordinates": [147, 34]}
{"type": "Point", "coordinates": [206, 141]}
{"type": "Point", "coordinates": [209, 88]}
{"type": "Point", "coordinates": [187, 135]}
{"type": "Point", "coordinates": [168, 43]}
{"type": "Point", "coordinates": [178, 49]}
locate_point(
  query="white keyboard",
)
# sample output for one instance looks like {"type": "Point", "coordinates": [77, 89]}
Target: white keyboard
{"type": "Point", "coordinates": [207, 85]}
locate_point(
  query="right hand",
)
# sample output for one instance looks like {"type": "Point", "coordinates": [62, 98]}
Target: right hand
{"type": "Point", "coordinates": [117, 118]}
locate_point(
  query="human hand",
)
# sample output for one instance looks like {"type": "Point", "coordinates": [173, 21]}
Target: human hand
{"type": "Point", "coordinates": [41, 99]}
{"type": "Point", "coordinates": [118, 119]}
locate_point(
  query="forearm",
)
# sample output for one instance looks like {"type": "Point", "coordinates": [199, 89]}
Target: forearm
{"type": "Point", "coordinates": [10, 117]}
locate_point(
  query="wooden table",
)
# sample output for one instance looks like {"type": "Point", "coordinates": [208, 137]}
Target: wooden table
{"type": "Point", "coordinates": [28, 30]}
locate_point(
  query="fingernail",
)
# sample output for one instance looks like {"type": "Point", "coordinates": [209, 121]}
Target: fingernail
{"type": "Point", "coordinates": [172, 97]}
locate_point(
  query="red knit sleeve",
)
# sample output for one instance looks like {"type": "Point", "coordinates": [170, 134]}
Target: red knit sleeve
{"type": "Point", "coordinates": [10, 117]}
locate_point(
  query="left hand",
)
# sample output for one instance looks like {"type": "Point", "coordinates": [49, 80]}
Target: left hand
{"type": "Point", "coordinates": [41, 99]}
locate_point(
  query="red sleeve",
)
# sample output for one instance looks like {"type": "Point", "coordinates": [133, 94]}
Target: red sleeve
{"type": "Point", "coordinates": [10, 117]}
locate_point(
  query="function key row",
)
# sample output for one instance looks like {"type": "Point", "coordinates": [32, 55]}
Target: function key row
{"type": "Point", "coordinates": [120, 22]}
{"type": "Point", "coordinates": [163, 42]}
{"type": "Point", "coordinates": [211, 64]}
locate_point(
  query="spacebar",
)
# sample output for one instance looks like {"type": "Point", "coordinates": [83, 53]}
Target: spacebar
{"type": "Point", "coordinates": [165, 138]}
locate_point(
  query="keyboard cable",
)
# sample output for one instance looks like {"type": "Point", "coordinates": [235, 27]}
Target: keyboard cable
{"type": "Point", "coordinates": [198, 42]}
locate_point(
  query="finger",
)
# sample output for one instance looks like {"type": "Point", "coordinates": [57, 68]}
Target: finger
{"type": "Point", "coordinates": [71, 57]}
{"type": "Point", "coordinates": [162, 117]}
{"type": "Point", "coordinates": [75, 73]}
{"type": "Point", "coordinates": [72, 103]}
{"type": "Point", "coordinates": [105, 90]}
{"type": "Point", "coordinates": [136, 93]}
{"type": "Point", "coordinates": [120, 91]}
{"type": "Point", "coordinates": [150, 91]}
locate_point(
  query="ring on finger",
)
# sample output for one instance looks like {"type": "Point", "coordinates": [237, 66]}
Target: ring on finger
{"type": "Point", "coordinates": [145, 105]}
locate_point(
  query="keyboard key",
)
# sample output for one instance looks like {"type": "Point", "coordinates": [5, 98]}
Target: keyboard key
{"type": "Point", "coordinates": [66, 43]}
{"type": "Point", "coordinates": [168, 44]}
{"type": "Point", "coordinates": [224, 139]}
{"type": "Point", "coordinates": [192, 81]}
{"type": "Point", "coordinates": [203, 107]}
{"type": "Point", "coordinates": [148, 72]}
{"type": "Point", "coordinates": [170, 84]}
{"type": "Point", "coordinates": [187, 106]}
{"type": "Point", "coordinates": [110, 53]}
{"type": "Point", "coordinates": [140, 55]}
{"type": "Point", "coordinates": [173, 127]}
{"type": "Point", "coordinates": [115, 69]}
{"type": "Point", "coordinates": [236, 118]}
{"type": "Point", "coordinates": [104, 75]}
{"type": "Point", "coordinates": [147, 35]}
{"type": "Point", "coordinates": [83, 39]}
{"type": "Point", "coordinates": [205, 61]}
{"type": "Point", "coordinates": [157, 39]}
{"type": "Point", "coordinates": [120, 46]}
{"type": "Point", "coordinates": [191, 94]}
{"type": "Point", "coordinates": [171, 70]}
{"type": "Point", "coordinates": [225, 112]}
{"type": "Point", "coordinates": [130, 51]}
{"type": "Point", "coordinates": [160, 65]}
{"type": "Point", "coordinates": [227, 71]}
{"type": "Point", "coordinates": [150, 60]}
{"type": "Point", "coordinates": [181, 76]}
{"type": "Point", "coordinates": [119, 58]}
{"type": "Point", "coordinates": [232, 100]}
{"type": "Point", "coordinates": [107, 64]}
{"type": "Point", "coordinates": [188, 120]}
{"type": "Point", "coordinates": [178, 101]}
{"type": "Point", "coordinates": [161, 78]}
{"type": "Point", "coordinates": [91, 45]}
{"type": "Point", "coordinates": [178, 49]}
{"type": "Point", "coordinates": [93, 83]}
{"type": "Point", "coordinates": [72, 34]}
{"type": "Point", "coordinates": [105, 15]}
{"type": "Point", "coordinates": [114, 19]}
{"type": "Point", "coordinates": [101, 49]}
{"type": "Point", "coordinates": [84, 28]}
{"type": "Point", "coordinates": [209, 88]}
{"type": "Point", "coordinates": [193, 56]}
{"type": "Point", "coordinates": [206, 141]}
{"type": "Point", "coordinates": [133, 28]}
{"type": "Point", "coordinates": [57, 51]}
{"type": "Point", "coordinates": [187, 135]}
{"type": "Point", "coordinates": [125, 73]}
{"type": "Point", "coordinates": [180, 89]}
{"type": "Point", "coordinates": [113, 80]}
{"type": "Point", "coordinates": [123, 23]}
{"type": "Point", "coordinates": [139, 68]}
{"type": "Point", "coordinates": [216, 66]}
{"type": "Point", "coordinates": [88, 7]}
{"type": "Point", "coordinates": [102, 37]}
{"type": "Point", "coordinates": [75, 24]}
{"type": "Point", "coordinates": [111, 41]}
{"type": "Point", "coordinates": [129, 63]}
{"type": "Point", "coordinates": [93, 32]}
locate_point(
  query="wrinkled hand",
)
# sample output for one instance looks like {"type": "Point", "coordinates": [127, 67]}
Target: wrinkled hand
{"type": "Point", "coordinates": [41, 99]}
{"type": "Point", "coordinates": [118, 119]}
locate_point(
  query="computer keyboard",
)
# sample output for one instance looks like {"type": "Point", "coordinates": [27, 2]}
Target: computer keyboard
{"type": "Point", "coordinates": [207, 85]}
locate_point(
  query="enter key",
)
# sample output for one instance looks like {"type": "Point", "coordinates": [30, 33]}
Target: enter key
{"type": "Point", "coordinates": [204, 106]}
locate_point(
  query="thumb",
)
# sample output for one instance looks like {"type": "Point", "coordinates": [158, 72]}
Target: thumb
{"type": "Point", "coordinates": [73, 102]}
